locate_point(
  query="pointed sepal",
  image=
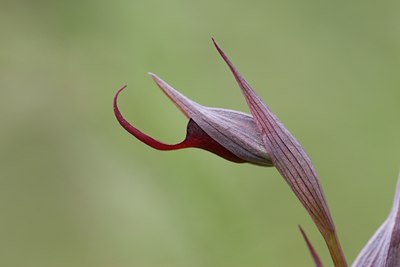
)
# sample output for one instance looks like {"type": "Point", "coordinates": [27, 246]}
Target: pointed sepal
{"type": "Point", "coordinates": [292, 162]}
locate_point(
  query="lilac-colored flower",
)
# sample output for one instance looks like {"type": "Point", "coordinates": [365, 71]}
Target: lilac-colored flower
{"type": "Point", "coordinates": [383, 249]}
{"type": "Point", "coordinates": [230, 134]}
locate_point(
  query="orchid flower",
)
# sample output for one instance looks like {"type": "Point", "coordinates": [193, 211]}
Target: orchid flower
{"type": "Point", "coordinates": [258, 138]}
{"type": "Point", "coordinates": [383, 249]}
{"type": "Point", "coordinates": [230, 134]}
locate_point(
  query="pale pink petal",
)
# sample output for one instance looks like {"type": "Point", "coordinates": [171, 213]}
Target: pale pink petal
{"type": "Point", "coordinates": [383, 249]}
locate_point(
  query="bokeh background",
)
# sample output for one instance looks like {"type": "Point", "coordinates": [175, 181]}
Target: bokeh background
{"type": "Point", "coordinates": [77, 190]}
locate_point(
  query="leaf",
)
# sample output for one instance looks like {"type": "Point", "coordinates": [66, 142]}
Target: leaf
{"type": "Point", "coordinates": [313, 252]}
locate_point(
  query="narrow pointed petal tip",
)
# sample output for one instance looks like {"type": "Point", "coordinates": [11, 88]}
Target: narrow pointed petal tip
{"type": "Point", "coordinates": [292, 162]}
{"type": "Point", "coordinates": [383, 249]}
{"type": "Point", "coordinates": [313, 252]}
{"type": "Point", "coordinates": [184, 104]}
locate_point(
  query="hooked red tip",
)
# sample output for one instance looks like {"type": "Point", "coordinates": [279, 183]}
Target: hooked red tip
{"type": "Point", "coordinates": [140, 135]}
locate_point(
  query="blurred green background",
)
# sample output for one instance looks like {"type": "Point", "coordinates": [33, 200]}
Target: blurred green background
{"type": "Point", "coordinates": [77, 190]}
